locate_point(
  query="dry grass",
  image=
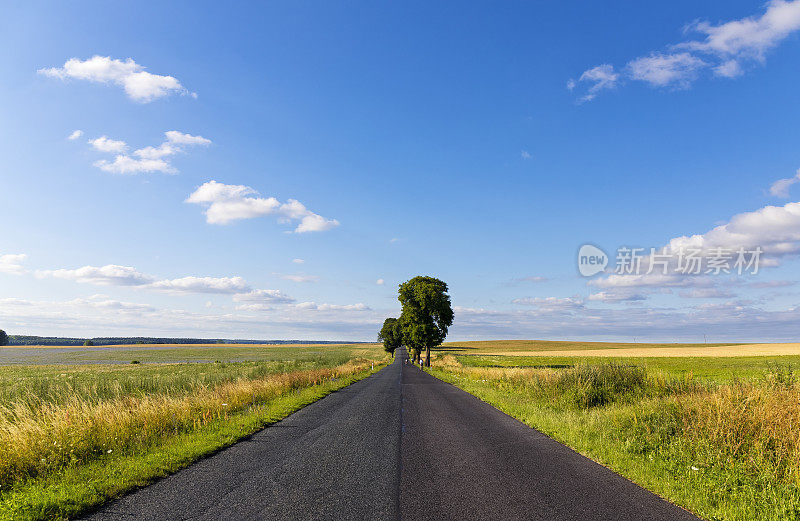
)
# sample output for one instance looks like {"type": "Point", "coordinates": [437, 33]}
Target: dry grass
{"type": "Point", "coordinates": [39, 437]}
{"type": "Point", "coordinates": [161, 346]}
{"type": "Point", "coordinates": [726, 451]}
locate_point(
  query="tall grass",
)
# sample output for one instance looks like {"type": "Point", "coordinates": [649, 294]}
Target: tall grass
{"type": "Point", "coordinates": [726, 451]}
{"type": "Point", "coordinates": [83, 419]}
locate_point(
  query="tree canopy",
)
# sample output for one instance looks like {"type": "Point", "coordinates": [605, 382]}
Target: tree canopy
{"type": "Point", "coordinates": [391, 335]}
{"type": "Point", "coordinates": [3, 338]}
{"type": "Point", "coordinates": [426, 314]}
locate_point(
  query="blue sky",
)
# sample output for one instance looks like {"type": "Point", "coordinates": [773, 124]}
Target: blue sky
{"type": "Point", "coordinates": [478, 143]}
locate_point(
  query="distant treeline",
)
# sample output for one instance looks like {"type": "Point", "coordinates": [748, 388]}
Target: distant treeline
{"type": "Point", "coordinates": [25, 340]}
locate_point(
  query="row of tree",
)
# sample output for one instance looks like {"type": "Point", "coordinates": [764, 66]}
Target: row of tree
{"type": "Point", "coordinates": [426, 314]}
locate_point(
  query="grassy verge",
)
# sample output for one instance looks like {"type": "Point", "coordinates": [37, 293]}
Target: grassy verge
{"type": "Point", "coordinates": [726, 451]}
{"type": "Point", "coordinates": [73, 439]}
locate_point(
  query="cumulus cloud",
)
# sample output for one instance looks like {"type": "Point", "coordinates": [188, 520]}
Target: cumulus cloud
{"type": "Point", "coordinates": [201, 285]}
{"type": "Point", "coordinates": [109, 275]}
{"type": "Point", "coordinates": [525, 154]}
{"type": "Point", "coordinates": [273, 296]}
{"type": "Point", "coordinates": [128, 165]}
{"type": "Point", "coordinates": [379, 282]}
{"type": "Point", "coordinates": [228, 203]}
{"type": "Point", "coordinates": [749, 38]}
{"type": "Point", "coordinates": [733, 321]}
{"type": "Point", "coordinates": [11, 263]}
{"type": "Point", "coordinates": [75, 135]}
{"type": "Point", "coordinates": [140, 85]}
{"type": "Point", "coordinates": [725, 50]}
{"type": "Point", "coordinates": [774, 229]}
{"type": "Point", "coordinates": [148, 159]}
{"type": "Point", "coordinates": [116, 275]}
{"type": "Point", "coordinates": [298, 261]}
{"type": "Point", "coordinates": [105, 144]}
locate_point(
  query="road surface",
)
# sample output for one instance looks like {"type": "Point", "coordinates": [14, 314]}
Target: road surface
{"type": "Point", "coordinates": [397, 445]}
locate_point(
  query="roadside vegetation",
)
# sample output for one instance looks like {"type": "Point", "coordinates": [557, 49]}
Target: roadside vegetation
{"type": "Point", "coordinates": [723, 446]}
{"type": "Point", "coordinates": [73, 436]}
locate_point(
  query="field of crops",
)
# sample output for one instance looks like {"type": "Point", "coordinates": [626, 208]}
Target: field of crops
{"type": "Point", "coordinates": [73, 434]}
{"type": "Point", "coordinates": [719, 435]}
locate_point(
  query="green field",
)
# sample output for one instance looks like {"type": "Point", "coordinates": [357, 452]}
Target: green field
{"type": "Point", "coordinates": [714, 369]}
{"type": "Point", "coordinates": [718, 436]}
{"type": "Point", "coordinates": [73, 435]}
{"type": "Point", "coordinates": [160, 353]}
{"type": "Point", "coordinates": [488, 346]}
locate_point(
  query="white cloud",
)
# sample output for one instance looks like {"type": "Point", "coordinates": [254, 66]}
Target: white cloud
{"type": "Point", "coordinates": [525, 154]}
{"type": "Point", "coordinates": [780, 188]}
{"type": "Point", "coordinates": [297, 277]}
{"type": "Point", "coordinates": [725, 49]}
{"type": "Point", "coordinates": [772, 284]}
{"type": "Point", "coordinates": [254, 307]}
{"type": "Point", "coordinates": [11, 263]}
{"type": "Point", "coordinates": [273, 296]}
{"type": "Point", "coordinates": [663, 70]}
{"type": "Point", "coordinates": [179, 138]}
{"type": "Point", "coordinates": [729, 69]}
{"type": "Point", "coordinates": [706, 293]}
{"type": "Point", "coordinates": [601, 77]}
{"type": "Point", "coordinates": [728, 321]}
{"type": "Point", "coordinates": [111, 146]}
{"type": "Point", "coordinates": [100, 302]}
{"type": "Point", "coordinates": [748, 38]}
{"type": "Point", "coordinates": [228, 203]}
{"type": "Point", "coordinates": [775, 229]}
{"type": "Point", "coordinates": [128, 165]}
{"type": "Point", "coordinates": [111, 274]}
{"type": "Point", "coordinates": [147, 159]}
{"type": "Point", "coordinates": [202, 285]}
{"type": "Point", "coordinates": [298, 261]}
{"type": "Point", "coordinates": [551, 303]}
{"type": "Point", "coordinates": [140, 85]}
{"type": "Point", "coordinates": [75, 135]}
{"type": "Point", "coordinates": [116, 275]}
{"type": "Point", "coordinates": [379, 282]}
{"type": "Point", "coordinates": [617, 296]}
{"type": "Point", "coordinates": [332, 307]}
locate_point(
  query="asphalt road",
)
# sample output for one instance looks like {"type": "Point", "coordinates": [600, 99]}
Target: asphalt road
{"type": "Point", "coordinates": [397, 445]}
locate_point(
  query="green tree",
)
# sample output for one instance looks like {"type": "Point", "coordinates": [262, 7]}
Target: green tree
{"type": "Point", "coordinates": [88, 343]}
{"type": "Point", "coordinates": [426, 314]}
{"type": "Point", "coordinates": [3, 338]}
{"type": "Point", "coordinates": [391, 335]}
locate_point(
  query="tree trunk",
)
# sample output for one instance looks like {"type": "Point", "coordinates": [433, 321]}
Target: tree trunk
{"type": "Point", "coordinates": [427, 356]}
